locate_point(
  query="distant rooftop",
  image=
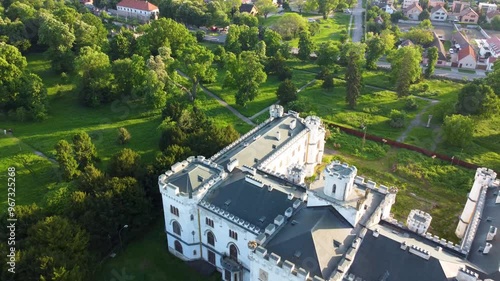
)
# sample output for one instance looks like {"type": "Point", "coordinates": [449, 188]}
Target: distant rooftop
{"type": "Point", "coordinates": [315, 238]}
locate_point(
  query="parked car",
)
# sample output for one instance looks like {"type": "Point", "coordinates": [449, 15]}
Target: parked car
{"type": "Point", "coordinates": [347, 11]}
{"type": "Point", "coordinates": [451, 50]}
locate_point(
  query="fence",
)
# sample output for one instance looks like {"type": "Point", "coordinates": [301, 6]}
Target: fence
{"type": "Point", "coordinates": [394, 143]}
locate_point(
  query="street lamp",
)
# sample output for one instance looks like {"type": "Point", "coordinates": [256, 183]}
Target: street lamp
{"type": "Point", "coordinates": [119, 236]}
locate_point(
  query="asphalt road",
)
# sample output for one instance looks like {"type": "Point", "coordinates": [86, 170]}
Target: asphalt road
{"type": "Point", "coordinates": [357, 27]}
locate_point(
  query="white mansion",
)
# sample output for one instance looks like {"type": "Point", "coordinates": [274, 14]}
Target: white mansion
{"type": "Point", "coordinates": [248, 212]}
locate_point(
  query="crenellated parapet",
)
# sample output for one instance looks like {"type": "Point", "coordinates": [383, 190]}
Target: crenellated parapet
{"type": "Point", "coordinates": [166, 187]}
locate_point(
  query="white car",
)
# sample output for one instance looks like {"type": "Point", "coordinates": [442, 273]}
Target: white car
{"type": "Point", "coordinates": [451, 50]}
{"type": "Point", "coordinates": [311, 20]}
{"type": "Point", "coordinates": [347, 11]}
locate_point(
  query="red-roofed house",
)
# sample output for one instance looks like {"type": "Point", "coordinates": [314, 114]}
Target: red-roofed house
{"type": "Point", "coordinates": [467, 58]}
{"type": "Point", "coordinates": [468, 15]}
{"type": "Point", "coordinates": [136, 8]}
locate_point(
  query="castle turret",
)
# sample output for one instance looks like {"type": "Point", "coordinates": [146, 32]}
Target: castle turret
{"type": "Point", "coordinates": [316, 143]}
{"type": "Point", "coordinates": [276, 111]}
{"type": "Point", "coordinates": [339, 180]}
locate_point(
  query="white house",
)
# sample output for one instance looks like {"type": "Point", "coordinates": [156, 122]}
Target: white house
{"type": "Point", "coordinates": [248, 212]}
{"type": "Point", "coordinates": [137, 8]}
{"type": "Point", "coordinates": [413, 11]}
{"type": "Point", "coordinates": [485, 8]}
{"type": "Point", "coordinates": [467, 58]}
{"type": "Point", "coordinates": [438, 13]}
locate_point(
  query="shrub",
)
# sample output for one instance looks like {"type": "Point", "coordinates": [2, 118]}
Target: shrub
{"type": "Point", "coordinates": [411, 104]}
{"type": "Point", "coordinates": [200, 35]}
{"type": "Point", "coordinates": [123, 136]}
{"type": "Point", "coordinates": [397, 118]}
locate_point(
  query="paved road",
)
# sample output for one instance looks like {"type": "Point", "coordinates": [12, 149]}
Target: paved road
{"type": "Point", "coordinates": [454, 73]}
{"type": "Point", "coordinates": [357, 27]}
{"type": "Point", "coordinates": [417, 121]}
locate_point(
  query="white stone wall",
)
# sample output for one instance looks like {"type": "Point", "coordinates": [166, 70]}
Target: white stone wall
{"type": "Point", "coordinates": [223, 241]}
{"type": "Point", "coordinates": [136, 12]}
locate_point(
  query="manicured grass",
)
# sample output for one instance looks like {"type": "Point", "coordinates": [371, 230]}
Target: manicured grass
{"type": "Point", "coordinates": [447, 44]}
{"type": "Point", "coordinates": [67, 117]}
{"type": "Point", "coordinates": [373, 109]}
{"type": "Point", "coordinates": [330, 29]}
{"type": "Point", "coordinates": [266, 97]}
{"type": "Point", "coordinates": [148, 259]}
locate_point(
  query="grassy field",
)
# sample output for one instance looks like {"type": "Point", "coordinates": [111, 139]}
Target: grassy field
{"type": "Point", "coordinates": [266, 97]}
{"type": "Point", "coordinates": [330, 29]}
{"type": "Point", "coordinates": [37, 176]}
{"type": "Point", "coordinates": [148, 259]}
{"type": "Point", "coordinates": [373, 109]}
{"type": "Point", "coordinates": [423, 183]}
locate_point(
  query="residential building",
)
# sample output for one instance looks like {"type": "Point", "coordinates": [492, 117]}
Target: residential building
{"type": "Point", "coordinates": [413, 11]}
{"type": "Point", "coordinates": [438, 13]}
{"type": "Point", "coordinates": [490, 63]}
{"type": "Point", "coordinates": [435, 3]}
{"type": "Point", "coordinates": [458, 6]}
{"type": "Point", "coordinates": [442, 59]}
{"type": "Point", "coordinates": [388, 8]}
{"type": "Point", "coordinates": [137, 9]}
{"type": "Point", "coordinates": [467, 58]}
{"type": "Point", "coordinates": [248, 212]}
{"type": "Point", "coordinates": [491, 15]}
{"type": "Point", "coordinates": [407, 3]}
{"type": "Point", "coordinates": [248, 8]}
{"type": "Point", "coordinates": [485, 8]}
{"type": "Point", "coordinates": [406, 42]}
{"type": "Point", "coordinates": [468, 15]}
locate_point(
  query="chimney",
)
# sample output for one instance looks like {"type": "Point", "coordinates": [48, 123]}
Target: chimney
{"type": "Point", "coordinates": [288, 212]}
{"type": "Point", "coordinates": [278, 135]}
{"type": "Point", "coordinates": [375, 233]}
{"type": "Point", "coordinates": [491, 234]}
{"type": "Point", "coordinates": [487, 248]}
{"type": "Point", "coordinates": [404, 246]}
{"type": "Point", "coordinates": [290, 196]}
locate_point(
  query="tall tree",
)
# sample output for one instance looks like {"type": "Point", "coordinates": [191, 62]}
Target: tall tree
{"type": "Point", "coordinates": [84, 149]}
{"type": "Point", "coordinates": [324, 7]}
{"type": "Point", "coordinates": [67, 163]}
{"type": "Point", "coordinates": [432, 57]}
{"type": "Point", "coordinates": [126, 163]}
{"type": "Point", "coordinates": [129, 75]}
{"type": "Point", "coordinates": [405, 68]}
{"type": "Point", "coordinates": [328, 54]}
{"type": "Point", "coordinates": [196, 61]}
{"type": "Point", "coordinates": [458, 130]}
{"type": "Point", "coordinates": [377, 46]}
{"type": "Point", "coordinates": [273, 42]}
{"type": "Point", "coordinates": [289, 25]}
{"type": "Point", "coordinates": [245, 73]}
{"type": "Point", "coordinates": [95, 74]}
{"type": "Point", "coordinates": [493, 77]}
{"type": "Point", "coordinates": [287, 92]}
{"type": "Point", "coordinates": [122, 44]}
{"type": "Point", "coordinates": [353, 75]}
{"type": "Point", "coordinates": [59, 38]}
{"type": "Point", "coordinates": [306, 45]}
{"type": "Point", "coordinates": [298, 4]}
{"type": "Point", "coordinates": [477, 98]}
{"type": "Point", "coordinates": [265, 7]}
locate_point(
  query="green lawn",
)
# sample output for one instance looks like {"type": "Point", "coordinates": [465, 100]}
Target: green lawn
{"type": "Point", "coordinates": [266, 97]}
{"type": "Point", "coordinates": [148, 259]}
{"type": "Point", "coordinates": [466, 70]}
{"type": "Point", "coordinates": [373, 109]}
{"type": "Point", "coordinates": [67, 117]}
{"type": "Point", "coordinates": [330, 29]}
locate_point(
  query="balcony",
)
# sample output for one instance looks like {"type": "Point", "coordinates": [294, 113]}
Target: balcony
{"type": "Point", "coordinates": [230, 264]}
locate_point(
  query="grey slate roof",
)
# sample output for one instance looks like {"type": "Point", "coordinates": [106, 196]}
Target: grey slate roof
{"type": "Point", "coordinates": [488, 263]}
{"type": "Point", "coordinates": [191, 177]}
{"type": "Point", "coordinates": [439, 45]}
{"type": "Point", "coordinates": [307, 240]}
{"type": "Point", "coordinates": [379, 256]}
{"type": "Point", "coordinates": [256, 205]}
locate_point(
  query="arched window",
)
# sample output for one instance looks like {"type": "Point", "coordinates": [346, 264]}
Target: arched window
{"type": "Point", "coordinates": [210, 238]}
{"type": "Point", "coordinates": [233, 252]}
{"type": "Point", "coordinates": [177, 228]}
{"type": "Point", "coordinates": [178, 246]}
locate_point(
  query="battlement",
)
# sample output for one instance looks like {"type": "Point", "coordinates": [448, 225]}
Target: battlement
{"type": "Point", "coordinates": [232, 218]}
{"type": "Point", "coordinates": [420, 252]}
